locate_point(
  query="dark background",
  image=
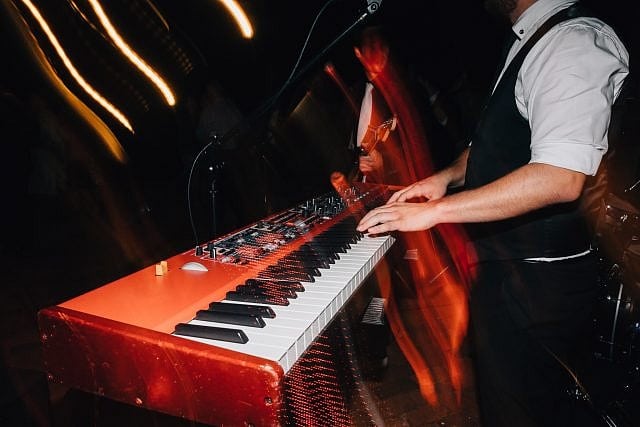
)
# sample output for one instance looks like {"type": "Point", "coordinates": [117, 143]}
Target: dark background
{"type": "Point", "coordinates": [75, 218]}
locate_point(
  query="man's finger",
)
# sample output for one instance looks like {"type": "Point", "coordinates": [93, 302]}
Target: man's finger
{"type": "Point", "coordinates": [367, 221]}
{"type": "Point", "coordinates": [395, 196]}
{"type": "Point", "coordinates": [405, 195]}
{"type": "Point", "coordinates": [382, 228]}
{"type": "Point", "coordinates": [376, 216]}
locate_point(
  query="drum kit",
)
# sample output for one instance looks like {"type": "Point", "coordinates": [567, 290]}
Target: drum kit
{"type": "Point", "coordinates": [617, 314]}
{"type": "Point", "coordinates": [618, 243]}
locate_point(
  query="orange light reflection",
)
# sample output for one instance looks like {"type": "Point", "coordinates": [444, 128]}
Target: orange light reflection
{"type": "Point", "coordinates": [439, 273]}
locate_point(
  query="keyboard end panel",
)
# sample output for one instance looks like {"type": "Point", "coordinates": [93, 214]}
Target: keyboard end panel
{"type": "Point", "coordinates": [157, 371]}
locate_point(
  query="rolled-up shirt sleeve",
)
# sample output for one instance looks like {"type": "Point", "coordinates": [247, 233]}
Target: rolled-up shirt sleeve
{"type": "Point", "coordinates": [565, 90]}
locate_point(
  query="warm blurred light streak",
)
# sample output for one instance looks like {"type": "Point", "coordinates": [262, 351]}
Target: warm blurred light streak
{"type": "Point", "coordinates": [441, 292]}
{"type": "Point", "coordinates": [72, 69]}
{"type": "Point", "coordinates": [131, 55]}
{"type": "Point", "coordinates": [103, 131]}
{"type": "Point", "coordinates": [84, 17]}
{"type": "Point", "coordinates": [439, 273]}
{"type": "Point", "coordinates": [158, 14]}
{"type": "Point", "coordinates": [240, 16]}
{"type": "Point", "coordinates": [404, 338]}
{"type": "Point", "coordinates": [443, 301]}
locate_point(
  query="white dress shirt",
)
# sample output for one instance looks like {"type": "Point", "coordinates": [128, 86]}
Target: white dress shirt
{"type": "Point", "coordinates": [366, 108]}
{"type": "Point", "coordinates": [566, 86]}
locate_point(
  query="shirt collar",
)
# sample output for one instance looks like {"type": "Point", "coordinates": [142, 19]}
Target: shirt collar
{"type": "Point", "coordinates": [532, 18]}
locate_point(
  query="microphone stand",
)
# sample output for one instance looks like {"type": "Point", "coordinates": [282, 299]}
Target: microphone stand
{"type": "Point", "coordinates": [259, 112]}
{"type": "Point", "coordinates": [215, 167]}
{"type": "Point", "coordinates": [315, 59]}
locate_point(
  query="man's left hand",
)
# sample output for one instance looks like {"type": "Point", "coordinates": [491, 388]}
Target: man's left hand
{"type": "Point", "coordinates": [400, 216]}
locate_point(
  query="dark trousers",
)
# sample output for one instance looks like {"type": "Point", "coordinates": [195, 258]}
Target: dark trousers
{"type": "Point", "coordinates": [528, 319]}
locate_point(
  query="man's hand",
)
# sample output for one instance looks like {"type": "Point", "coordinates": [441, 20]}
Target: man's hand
{"type": "Point", "coordinates": [528, 188]}
{"type": "Point", "coordinates": [399, 216]}
{"type": "Point", "coordinates": [431, 188]}
{"type": "Point", "coordinates": [435, 186]}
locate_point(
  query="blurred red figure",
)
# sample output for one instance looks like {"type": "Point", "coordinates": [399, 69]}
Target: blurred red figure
{"type": "Point", "coordinates": [394, 145]}
{"type": "Point", "coordinates": [381, 151]}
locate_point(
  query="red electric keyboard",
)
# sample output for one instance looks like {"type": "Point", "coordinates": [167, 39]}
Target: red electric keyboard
{"type": "Point", "coordinates": [212, 334]}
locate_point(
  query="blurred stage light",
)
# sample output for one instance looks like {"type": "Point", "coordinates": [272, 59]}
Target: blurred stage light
{"type": "Point", "coordinates": [132, 56]}
{"type": "Point", "coordinates": [240, 16]}
{"type": "Point", "coordinates": [72, 69]}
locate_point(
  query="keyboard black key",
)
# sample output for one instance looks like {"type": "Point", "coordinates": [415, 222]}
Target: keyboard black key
{"type": "Point", "coordinates": [308, 260]}
{"type": "Point", "coordinates": [328, 244]}
{"type": "Point", "coordinates": [308, 265]}
{"type": "Point", "coordinates": [212, 333]}
{"type": "Point", "coordinates": [307, 251]}
{"type": "Point", "coordinates": [258, 299]}
{"type": "Point", "coordinates": [258, 310]}
{"type": "Point", "coordinates": [323, 252]}
{"type": "Point", "coordinates": [297, 265]}
{"type": "Point", "coordinates": [337, 243]}
{"type": "Point", "coordinates": [284, 284]}
{"type": "Point", "coordinates": [280, 273]}
{"type": "Point", "coordinates": [266, 290]}
{"type": "Point", "coordinates": [231, 318]}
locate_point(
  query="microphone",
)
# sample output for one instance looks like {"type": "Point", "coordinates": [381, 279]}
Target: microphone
{"type": "Point", "coordinates": [373, 6]}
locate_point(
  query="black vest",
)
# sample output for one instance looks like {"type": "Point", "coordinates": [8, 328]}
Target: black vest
{"type": "Point", "coordinates": [501, 144]}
